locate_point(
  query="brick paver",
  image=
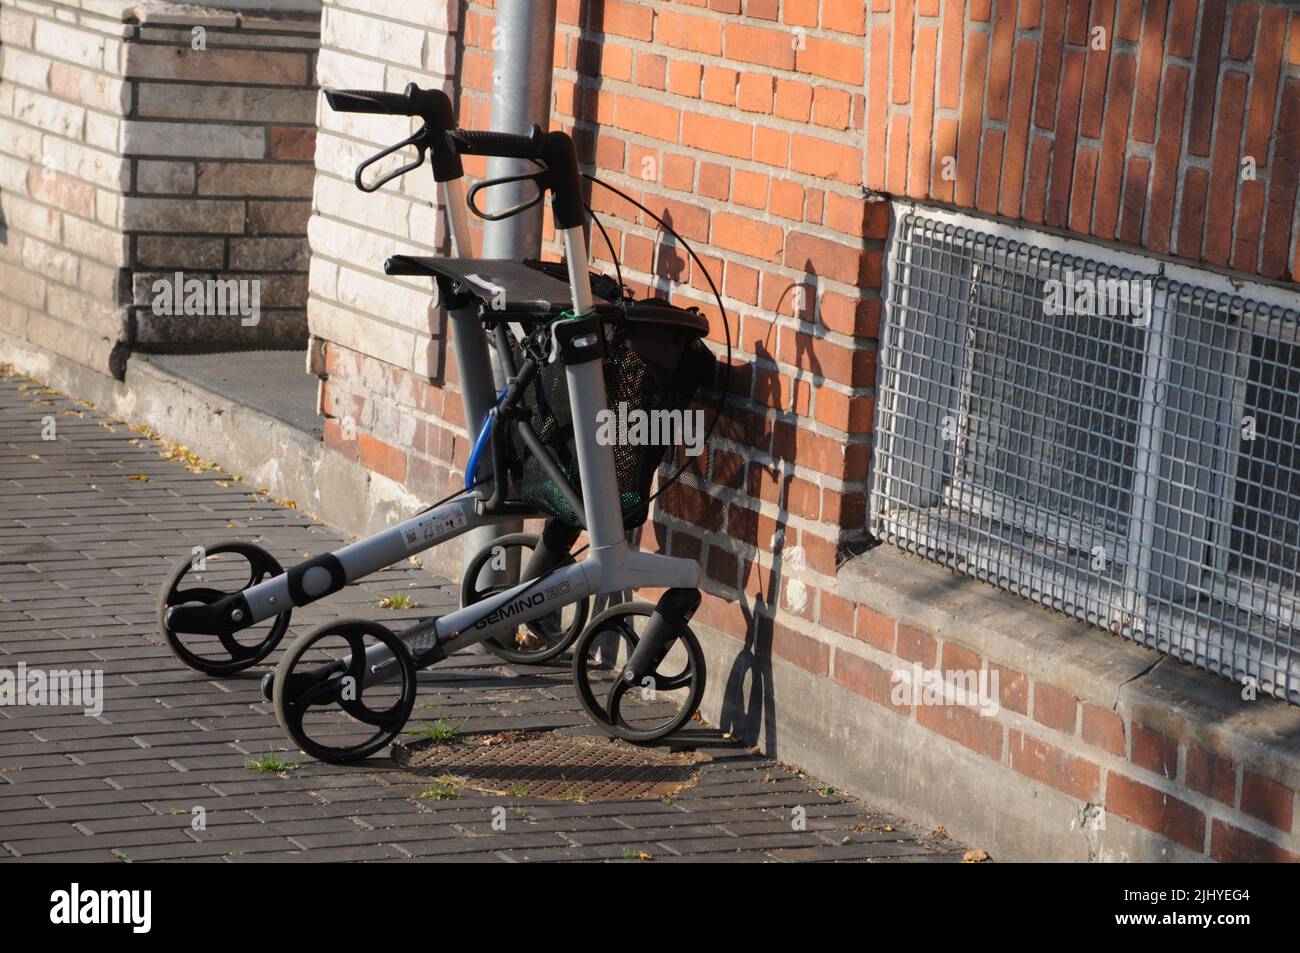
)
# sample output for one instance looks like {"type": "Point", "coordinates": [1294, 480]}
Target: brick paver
{"type": "Point", "coordinates": [83, 550]}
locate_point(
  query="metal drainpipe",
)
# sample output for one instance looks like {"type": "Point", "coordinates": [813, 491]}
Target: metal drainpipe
{"type": "Point", "coordinates": [524, 45]}
{"type": "Point", "coordinates": [521, 95]}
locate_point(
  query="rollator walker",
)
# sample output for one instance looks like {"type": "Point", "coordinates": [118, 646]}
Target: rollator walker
{"type": "Point", "coordinates": [347, 689]}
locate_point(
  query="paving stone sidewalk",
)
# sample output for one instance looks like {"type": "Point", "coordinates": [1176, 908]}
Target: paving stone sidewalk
{"type": "Point", "coordinates": [85, 544]}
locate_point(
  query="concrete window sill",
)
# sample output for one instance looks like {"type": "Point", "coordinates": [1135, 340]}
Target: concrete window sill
{"type": "Point", "coordinates": [1138, 683]}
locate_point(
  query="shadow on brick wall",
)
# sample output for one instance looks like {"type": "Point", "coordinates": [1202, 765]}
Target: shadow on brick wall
{"type": "Point", "coordinates": [749, 702]}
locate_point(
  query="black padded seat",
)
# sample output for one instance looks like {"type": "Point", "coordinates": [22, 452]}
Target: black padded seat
{"type": "Point", "coordinates": [539, 290]}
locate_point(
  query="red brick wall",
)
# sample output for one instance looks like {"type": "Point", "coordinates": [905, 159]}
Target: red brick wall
{"type": "Point", "coordinates": [770, 133]}
{"type": "Point", "coordinates": [1119, 119]}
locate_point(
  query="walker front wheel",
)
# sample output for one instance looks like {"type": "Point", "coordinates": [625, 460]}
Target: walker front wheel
{"type": "Point", "coordinates": [663, 699]}
{"type": "Point", "coordinates": [208, 576]}
{"type": "Point", "coordinates": [334, 702]}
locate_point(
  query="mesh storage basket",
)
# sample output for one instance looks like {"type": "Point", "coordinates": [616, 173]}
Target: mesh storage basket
{"type": "Point", "coordinates": [649, 367]}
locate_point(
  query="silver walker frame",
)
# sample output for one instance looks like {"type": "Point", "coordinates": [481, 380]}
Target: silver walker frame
{"type": "Point", "coordinates": [612, 564]}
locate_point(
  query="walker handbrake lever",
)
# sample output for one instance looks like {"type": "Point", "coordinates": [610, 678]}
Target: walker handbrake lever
{"type": "Point", "coordinates": [419, 139]}
{"type": "Point", "coordinates": [541, 178]}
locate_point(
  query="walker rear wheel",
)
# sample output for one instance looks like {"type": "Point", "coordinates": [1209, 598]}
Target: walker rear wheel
{"type": "Point", "coordinates": [530, 642]}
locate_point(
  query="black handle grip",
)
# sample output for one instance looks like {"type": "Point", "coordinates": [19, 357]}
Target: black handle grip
{"type": "Point", "coordinates": [370, 101]}
{"type": "Point", "coordinates": [506, 144]}
{"type": "Point", "coordinates": [553, 149]}
{"type": "Point", "coordinates": [431, 105]}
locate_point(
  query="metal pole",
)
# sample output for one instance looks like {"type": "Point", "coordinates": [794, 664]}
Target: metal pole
{"type": "Point", "coordinates": [523, 44]}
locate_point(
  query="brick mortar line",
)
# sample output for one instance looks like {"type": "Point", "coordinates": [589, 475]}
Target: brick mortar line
{"type": "Point", "coordinates": [49, 94]}
{"type": "Point", "coordinates": [207, 197]}
{"type": "Point", "coordinates": [753, 166]}
{"type": "Point", "coordinates": [727, 495]}
{"type": "Point", "coordinates": [1286, 71]}
{"type": "Point", "coordinates": [704, 60]}
{"type": "Point", "coordinates": [405, 68]}
{"type": "Point", "coordinates": [237, 34]}
{"type": "Point", "coordinates": [74, 326]}
{"type": "Point", "coordinates": [82, 17]}
{"type": "Point", "coordinates": [360, 270]}
{"type": "Point", "coordinates": [789, 126]}
{"type": "Point", "coordinates": [790, 321]}
{"type": "Point", "coordinates": [411, 199]}
{"type": "Point", "coordinates": [430, 294]}
{"type": "Point", "coordinates": [314, 296]}
{"type": "Point", "coordinates": [437, 80]}
{"type": "Point", "coordinates": [764, 268]}
{"type": "Point", "coordinates": [136, 80]}
{"type": "Point", "coordinates": [701, 13]}
{"type": "Point", "coordinates": [139, 42]}
{"type": "Point", "coordinates": [115, 74]}
{"type": "Point", "coordinates": [76, 142]}
{"type": "Point", "coordinates": [1185, 127]}
{"type": "Point", "coordinates": [340, 263]}
{"type": "Point", "coordinates": [338, 135]}
{"type": "Point", "coordinates": [49, 280]}
{"type": "Point", "coordinates": [452, 28]}
{"type": "Point", "coordinates": [206, 121]}
{"type": "Point", "coordinates": [816, 581]}
{"type": "Point", "coordinates": [784, 321]}
{"type": "Point", "coordinates": [764, 458]}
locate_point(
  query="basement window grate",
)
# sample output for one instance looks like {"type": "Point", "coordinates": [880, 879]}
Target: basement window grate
{"type": "Point", "coordinates": [1112, 443]}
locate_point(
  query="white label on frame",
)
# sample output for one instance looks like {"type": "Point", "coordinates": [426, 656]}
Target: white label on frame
{"type": "Point", "coordinates": [432, 528]}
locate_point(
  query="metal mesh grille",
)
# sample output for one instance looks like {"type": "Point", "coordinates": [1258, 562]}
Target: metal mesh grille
{"type": "Point", "coordinates": [1113, 444]}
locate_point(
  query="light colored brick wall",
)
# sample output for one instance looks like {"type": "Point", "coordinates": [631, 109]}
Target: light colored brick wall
{"type": "Point", "coordinates": [126, 154]}
{"type": "Point", "coordinates": [62, 178]}
{"type": "Point", "coordinates": [221, 142]}
{"type": "Point", "coordinates": [391, 399]}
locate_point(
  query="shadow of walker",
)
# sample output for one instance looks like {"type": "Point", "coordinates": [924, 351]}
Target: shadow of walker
{"type": "Point", "coordinates": [749, 699]}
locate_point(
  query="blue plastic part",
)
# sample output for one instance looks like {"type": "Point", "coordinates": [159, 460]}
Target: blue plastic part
{"type": "Point", "coordinates": [480, 443]}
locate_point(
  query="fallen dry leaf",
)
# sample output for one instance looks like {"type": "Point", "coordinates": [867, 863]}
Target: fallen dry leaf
{"type": "Point", "coordinates": [974, 857]}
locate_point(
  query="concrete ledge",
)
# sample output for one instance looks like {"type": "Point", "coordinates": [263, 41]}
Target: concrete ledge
{"type": "Point", "coordinates": [897, 765]}
{"type": "Point", "coordinates": [1161, 692]}
{"type": "Point", "coordinates": [1102, 750]}
{"type": "Point", "coordinates": [1000, 625]}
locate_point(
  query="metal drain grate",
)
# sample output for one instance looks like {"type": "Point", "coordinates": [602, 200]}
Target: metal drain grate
{"type": "Point", "coordinates": [554, 766]}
